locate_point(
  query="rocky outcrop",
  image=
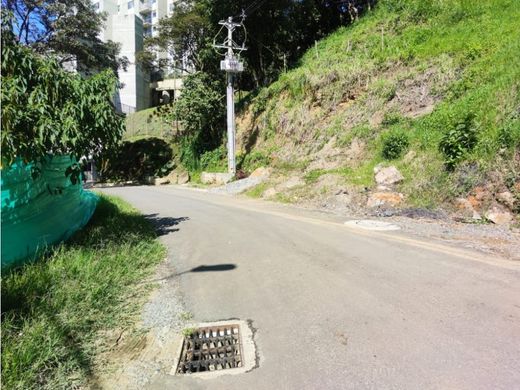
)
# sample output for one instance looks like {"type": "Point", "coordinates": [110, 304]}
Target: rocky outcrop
{"type": "Point", "coordinates": [499, 215]}
{"type": "Point", "coordinates": [466, 209]}
{"type": "Point", "coordinates": [215, 178]}
{"type": "Point", "coordinates": [384, 199]}
{"type": "Point", "coordinates": [507, 199]}
{"type": "Point", "coordinates": [387, 176]}
{"type": "Point", "coordinates": [261, 172]}
{"type": "Point", "coordinates": [183, 177]}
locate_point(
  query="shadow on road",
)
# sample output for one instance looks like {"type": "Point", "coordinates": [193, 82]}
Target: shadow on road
{"type": "Point", "coordinates": [165, 225]}
{"type": "Point", "coordinates": [213, 268]}
{"type": "Point", "coordinates": [201, 268]}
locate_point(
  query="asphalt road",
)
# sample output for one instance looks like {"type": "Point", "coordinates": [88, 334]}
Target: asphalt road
{"type": "Point", "coordinates": [335, 307]}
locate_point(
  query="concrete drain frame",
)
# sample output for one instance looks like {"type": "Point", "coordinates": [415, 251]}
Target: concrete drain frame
{"type": "Point", "coordinates": [216, 348]}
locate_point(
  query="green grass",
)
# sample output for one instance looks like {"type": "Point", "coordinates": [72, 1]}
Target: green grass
{"type": "Point", "coordinates": [144, 123]}
{"type": "Point", "coordinates": [257, 191]}
{"type": "Point", "coordinates": [57, 312]}
{"type": "Point", "coordinates": [470, 52]}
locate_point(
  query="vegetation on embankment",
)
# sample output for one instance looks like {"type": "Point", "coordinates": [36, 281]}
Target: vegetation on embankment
{"type": "Point", "coordinates": [137, 161]}
{"type": "Point", "coordinates": [430, 87]}
{"type": "Point", "coordinates": [59, 312]}
{"type": "Point", "coordinates": [147, 123]}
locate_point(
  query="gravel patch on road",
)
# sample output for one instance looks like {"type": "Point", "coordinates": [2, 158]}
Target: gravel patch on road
{"type": "Point", "coordinates": [238, 186]}
{"type": "Point", "coordinates": [153, 348]}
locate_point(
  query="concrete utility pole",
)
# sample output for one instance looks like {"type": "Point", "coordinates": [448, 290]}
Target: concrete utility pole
{"type": "Point", "coordinates": [231, 65]}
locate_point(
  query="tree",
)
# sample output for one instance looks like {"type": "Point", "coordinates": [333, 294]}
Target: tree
{"type": "Point", "coordinates": [200, 111]}
{"type": "Point", "coordinates": [278, 33]}
{"type": "Point", "coordinates": [47, 110]}
{"type": "Point", "coordinates": [185, 37]}
{"type": "Point", "coordinates": [68, 29]}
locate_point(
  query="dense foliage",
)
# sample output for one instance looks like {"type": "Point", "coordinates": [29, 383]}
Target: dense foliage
{"type": "Point", "coordinates": [138, 160]}
{"type": "Point", "coordinates": [46, 110]}
{"type": "Point", "coordinates": [394, 145]}
{"type": "Point", "coordinates": [200, 112]}
{"type": "Point", "coordinates": [278, 33]}
{"type": "Point", "coordinates": [67, 28]}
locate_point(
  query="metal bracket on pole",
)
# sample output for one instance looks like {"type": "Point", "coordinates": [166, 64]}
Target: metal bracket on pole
{"type": "Point", "coordinates": [231, 65]}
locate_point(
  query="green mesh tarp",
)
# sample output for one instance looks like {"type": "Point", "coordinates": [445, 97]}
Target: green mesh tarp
{"type": "Point", "coordinates": [40, 212]}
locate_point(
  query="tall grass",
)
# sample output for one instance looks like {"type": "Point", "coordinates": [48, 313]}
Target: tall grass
{"type": "Point", "coordinates": [473, 48]}
{"type": "Point", "coordinates": [56, 311]}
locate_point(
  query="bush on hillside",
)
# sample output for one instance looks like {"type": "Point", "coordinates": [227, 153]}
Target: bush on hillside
{"type": "Point", "coordinates": [253, 160]}
{"type": "Point", "coordinates": [200, 112]}
{"type": "Point", "coordinates": [138, 160]}
{"type": "Point", "coordinates": [394, 145]}
{"type": "Point", "coordinates": [214, 160]}
{"type": "Point", "coordinates": [460, 139]}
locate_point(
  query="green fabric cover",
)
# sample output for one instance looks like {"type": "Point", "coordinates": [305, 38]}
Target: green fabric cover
{"type": "Point", "coordinates": [40, 212]}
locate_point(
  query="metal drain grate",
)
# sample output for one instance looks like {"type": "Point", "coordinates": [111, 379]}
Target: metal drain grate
{"type": "Point", "coordinates": [211, 349]}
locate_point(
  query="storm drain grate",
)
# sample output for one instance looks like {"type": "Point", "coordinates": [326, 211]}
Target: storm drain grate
{"type": "Point", "coordinates": [211, 349]}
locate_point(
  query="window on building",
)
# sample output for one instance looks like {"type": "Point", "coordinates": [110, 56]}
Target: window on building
{"type": "Point", "coordinates": [96, 6]}
{"type": "Point", "coordinates": [130, 4]}
{"type": "Point", "coordinates": [154, 1]}
{"type": "Point", "coordinates": [154, 14]}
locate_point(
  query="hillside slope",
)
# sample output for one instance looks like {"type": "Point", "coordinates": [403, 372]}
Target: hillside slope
{"type": "Point", "coordinates": [146, 123]}
{"type": "Point", "coordinates": [432, 88]}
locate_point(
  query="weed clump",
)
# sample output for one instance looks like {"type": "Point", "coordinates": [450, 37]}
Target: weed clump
{"type": "Point", "coordinates": [458, 141]}
{"type": "Point", "coordinates": [394, 145]}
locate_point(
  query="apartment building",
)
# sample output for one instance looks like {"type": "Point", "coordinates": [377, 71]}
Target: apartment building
{"type": "Point", "coordinates": [128, 23]}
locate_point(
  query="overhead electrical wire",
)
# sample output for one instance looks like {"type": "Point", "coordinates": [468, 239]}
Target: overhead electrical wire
{"type": "Point", "coordinates": [251, 8]}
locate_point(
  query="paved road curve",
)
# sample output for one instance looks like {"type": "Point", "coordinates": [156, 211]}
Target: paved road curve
{"type": "Point", "coordinates": [335, 308]}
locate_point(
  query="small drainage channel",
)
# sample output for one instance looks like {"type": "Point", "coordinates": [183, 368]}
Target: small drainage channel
{"type": "Point", "coordinates": [367, 224]}
{"type": "Point", "coordinates": [218, 348]}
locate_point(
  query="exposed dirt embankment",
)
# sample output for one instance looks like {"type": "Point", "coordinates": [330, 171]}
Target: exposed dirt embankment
{"type": "Point", "coordinates": [392, 114]}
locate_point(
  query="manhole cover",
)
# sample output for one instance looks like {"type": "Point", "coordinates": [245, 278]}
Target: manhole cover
{"type": "Point", "coordinates": [372, 225]}
{"type": "Point", "coordinates": [211, 348]}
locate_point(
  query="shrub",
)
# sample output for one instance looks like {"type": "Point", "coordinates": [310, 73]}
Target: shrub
{"type": "Point", "coordinates": [392, 118]}
{"type": "Point", "coordinates": [200, 112]}
{"type": "Point", "coordinates": [509, 135]}
{"type": "Point", "coordinates": [47, 110]}
{"type": "Point", "coordinates": [394, 145]}
{"type": "Point", "coordinates": [460, 139]}
{"type": "Point", "coordinates": [214, 160]}
{"type": "Point", "coordinates": [253, 160]}
{"type": "Point", "coordinates": [136, 160]}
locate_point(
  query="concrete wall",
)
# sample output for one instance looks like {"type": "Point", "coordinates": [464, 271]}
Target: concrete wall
{"type": "Point", "coordinates": [128, 31]}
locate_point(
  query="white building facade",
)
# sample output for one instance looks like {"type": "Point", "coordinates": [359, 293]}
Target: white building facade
{"type": "Point", "coordinates": [128, 23]}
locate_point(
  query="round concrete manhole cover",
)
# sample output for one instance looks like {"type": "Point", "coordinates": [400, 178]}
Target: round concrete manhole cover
{"type": "Point", "coordinates": [372, 225]}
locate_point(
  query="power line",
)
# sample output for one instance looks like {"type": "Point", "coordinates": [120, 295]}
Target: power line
{"type": "Point", "coordinates": [251, 8]}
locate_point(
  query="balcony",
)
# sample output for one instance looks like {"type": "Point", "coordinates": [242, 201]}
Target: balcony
{"type": "Point", "coordinates": [145, 7]}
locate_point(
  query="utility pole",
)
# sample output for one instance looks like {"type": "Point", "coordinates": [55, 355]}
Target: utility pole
{"type": "Point", "coordinates": [231, 65]}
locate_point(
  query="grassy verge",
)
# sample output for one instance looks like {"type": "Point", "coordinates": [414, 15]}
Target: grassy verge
{"type": "Point", "coordinates": [146, 123]}
{"type": "Point", "coordinates": [56, 311]}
